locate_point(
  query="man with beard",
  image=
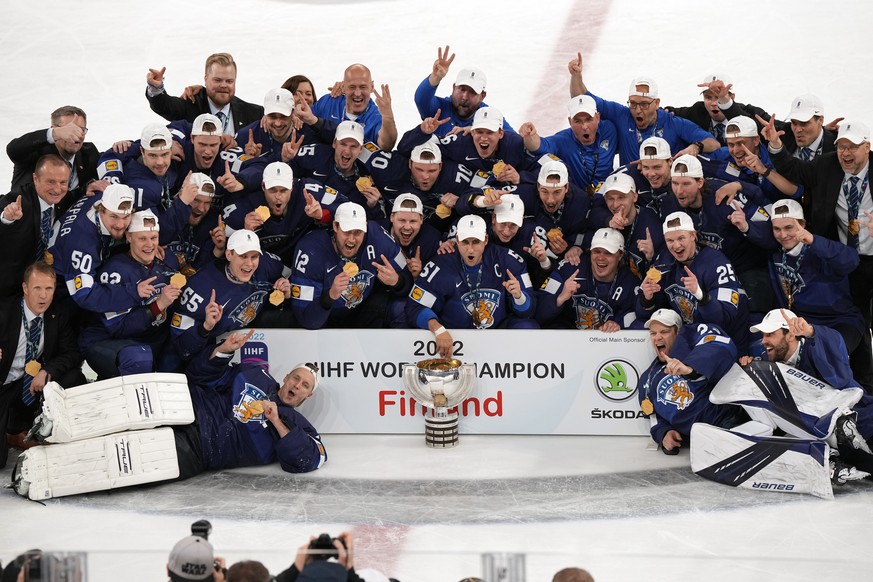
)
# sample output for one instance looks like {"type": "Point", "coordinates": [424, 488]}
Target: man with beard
{"type": "Point", "coordinates": [355, 104]}
{"type": "Point", "coordinates": [642, 118]}
{"type": "Point", "coordinates": [597, 294]}
{"type": "Point", "coordinates": [219, 97]}
{"type": "Point", "coordinates": [749, 163]}
{"type": "Point", "coordinates": [289, 213]}
{"type": "Point", "coordinates": [689, 362]}
{"type": "Point", "coordinates": [152, 175]}
{"type": "Point", "coordinates": [85, 239]}
{"type": "Point", "coordinates": [588, 146]}
{"type": "Point", "coordinates": [345, 277]}
{"type": "Point", "coordinates": [266, 136]}
{"type": "Point", "coordinates": [480, 286]}
{"type": "Point", "coordinates": [203, 239]}
{"type": "Point", "coordinates": [640, 227]}
{"type": "Point", "coordinates": [467, 96]}
{"type": "Point", "coordinates": [65, 138]}
{"type": "Point", "coordinates": [418, 240]}
{"type": "Point", "coordinates": [651, 173]}
{"type": "Point", "coordinates": [135, 340]}
{"type": "Point", "coordinates": [227, 296]}
{"type": "Point", "coordinates": [696, 281]}
{"type": "Point", "coordinates": [27, 217]}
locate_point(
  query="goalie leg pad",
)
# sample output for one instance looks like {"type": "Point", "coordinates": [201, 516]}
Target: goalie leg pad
{"type": "Point", "coordinates": [133, 402]}
{"type": "Point", "coordinates": [109, 462]}
{"type": "Point", "coordinates": [787, 465]}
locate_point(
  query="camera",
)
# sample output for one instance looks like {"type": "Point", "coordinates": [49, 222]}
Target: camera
{"type": "Point", "coordinates": [201, 529]}
{"type": "Point", "coordinates": [323, 548]}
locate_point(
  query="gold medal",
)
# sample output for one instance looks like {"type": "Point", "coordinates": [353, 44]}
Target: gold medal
{"type": "Point", "coordinates": [178, 280]}
{"type": "Point", "coordinates": [854, 227]}
{"type": "Point", "coordinates": [277, 297]}
{"type": "Point", "coordinates": [443, 211]}
{"type": "Point", "coordinates": [32, 368]}
{"type": "Point", "coordinates": [263, 212]}
{"type": "Point", "coordinates": [48, 258]}
{"type": "Point", "coordinates": [647, 406]}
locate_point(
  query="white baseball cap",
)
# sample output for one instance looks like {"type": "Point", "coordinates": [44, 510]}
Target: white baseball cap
{"type": "Point", "coordinates": [693, 169]}
{"type": "Point", "coordinates": [114, 196]}
{"type": "Point", "coordinates": [620, 181]}
{"type": "Point", "coordinates": [510, 209]}
{"type": "Point", "coordinates": [202, 181]}
{"type": "Point", "coordinates": [666, 317]}
{"type": "Point", "coordinates": [550, 169]}
{"type": "Point", "coordinates": [805, 107]}
{"type": "Point", "coordinates": [655, 148]}
{"type": "Point", "coordinates": [854, 131]}
{"type": "Point", "coordinates": [398, 204]}
{"type": "Point", "coordinates": [608, 239]}
{"type": "Point", "coordinates": [312, 369]}
{"type": "Point", "coordinates": [471, 226]}
{"type": "Point", "coordinates": [351, 129]}
{"type": "Point", "coordinates": [144, 221]}
{"type": "Point", "coordinates": [786, 208]}
{"type": "Point", "coordinates": [581, 104]}
{"type": "Point", "coordinates": [351, 216]}
{"type": "Point", "coordinates": [278, 174]}
{"type": "Point", "coordinates": [773, 321]}
{"type": "Point", "coordinates": [427, 146]}
{"type": "Point", "coordinates": [155, 132]}
{"type": "Point", "coordinates": [678, 221]}
{"type": "Point", "coordinates": [279, 101]}
{"type": "Point", "coordinates": [652, 92]}
{"type": "Point", "coordinates": [203, 119]}
{"type": "Point", "coordinates": [713, 77]}
{"type": "Point", "coordinates": [741, 126]}
{"type": "Point", "coordinates": [488, 118]}
{"type": "Point", "coordinates": [244, 241]}
{"type": "Point", "coordinates": [473, 78]}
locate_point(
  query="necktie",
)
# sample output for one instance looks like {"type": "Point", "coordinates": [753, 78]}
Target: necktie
{"type": "Point", "coordinates": [31, 352]}
{"type": "Point", "coordinates": [222, 116]}
{"type": "Point", "coordinates": [853, 197]}
{"type": "Point", "coordinates": [718, 132]}
{"type": "Point", "coordinates": [74, 178]}
{"type": "Point", "coordinates": [805, 154]}
{"type": "Point", "coordinates": [45, 233]}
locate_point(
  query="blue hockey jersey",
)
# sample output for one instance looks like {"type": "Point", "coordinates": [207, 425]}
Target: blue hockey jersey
{"type": "Point", "coordinates": [589, 165]}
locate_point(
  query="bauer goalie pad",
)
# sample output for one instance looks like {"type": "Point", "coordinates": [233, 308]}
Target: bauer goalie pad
{"type": "Point", "coordinates": [784, 397]}
{"type": "Point", "coordinates": [787, 465]}
{"type": "Point", "coordinates": [109, 462]}
{"type": "Point", "coordinates": [133, 402]}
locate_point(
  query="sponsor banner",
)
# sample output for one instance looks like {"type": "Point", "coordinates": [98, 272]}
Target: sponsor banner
{"type": "Point", "coordinates": [528, 382]}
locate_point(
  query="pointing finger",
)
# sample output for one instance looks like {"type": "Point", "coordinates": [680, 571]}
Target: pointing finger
{"type": "Point", "coordinates": [212, 299]}
{"type": "Point", "coordinates": [227, 166]}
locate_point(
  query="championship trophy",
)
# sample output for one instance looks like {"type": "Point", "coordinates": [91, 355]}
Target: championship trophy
{"type": "Point", "coordinates": [439, 385]}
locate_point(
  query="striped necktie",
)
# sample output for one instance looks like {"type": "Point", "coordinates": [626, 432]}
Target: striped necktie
{"type": "Point", "coordinates": [853, 197]}
{"type": "Point", "coordinates": [718, 132]}
{"type": "Point", "coordinates": [222, 116]}
{"type": "Point", "coordinates": [33, 333]}
{"type": "Point", "coordinates": [805, 154]}
{"type": "Point", "coordinates": [45, 233]}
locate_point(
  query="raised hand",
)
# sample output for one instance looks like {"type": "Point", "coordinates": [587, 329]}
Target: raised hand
{"type": "Point", "coordinates": [512, 286]}
{"type": "Point", "coordinates": [213, 313]}
{"type": "Point", "coordinates": [569, 288]}
{"type": "Point", "coordinates": [738, 218]}
{"type": "Point", "coordinates": [441, 65]}
{"type": "Point", "coordinates": [769, 131]}
{"type": "Point", "coordinates": [414, 263]}
{"type": "Point", "coordinates": [574, 67]}
{"type": "Point", "coordinates": [676, 367]}
{"type": "Point", "coordinates": [189, 190]}
{"type": "Point", "coordinates": [690, 281]}
{"type": "Point", "coordinates": [13, 211]}
{"type": "Point", "coordinates": [144, 288]}
{"type": "Point", "coordinates": [228, 181]}
{"type": "Point", "coordinates": [383, 101]}
{"type": "Point", "coordinates": [430, 124]}
{"type": "Point", "coordinates": [386, 273]}
{"type": "Point", "coordinates": [291, 147]}
{"type": "Point", "coordinates": [313, 208]}
{"type": "Point", "coordinates": [155, 78]}
{"type": "Point", "coordinates": [253, 149]}
{"type": "Point", "coordinates": [647, 246]}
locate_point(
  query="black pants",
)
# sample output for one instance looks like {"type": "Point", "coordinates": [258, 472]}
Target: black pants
{"type": "Point", "coordinates": [189, 451]}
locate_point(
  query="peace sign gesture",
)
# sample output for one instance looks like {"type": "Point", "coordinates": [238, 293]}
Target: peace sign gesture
{"type": "Point", "coordinates": [431, 124]}
{"type": "Point", "coordinates": [441, 66]}
{"type": "Point", "coordinates": [386, 273]}
{"type": "Point", "coordinates": [769, 131]}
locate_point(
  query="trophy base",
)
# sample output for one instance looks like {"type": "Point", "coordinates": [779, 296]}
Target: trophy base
{"type": "Point", "coordinates": [441, 433]}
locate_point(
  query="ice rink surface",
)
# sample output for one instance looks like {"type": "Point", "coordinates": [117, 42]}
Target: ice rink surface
{"type": "Point", "coordinates": [606, 504]}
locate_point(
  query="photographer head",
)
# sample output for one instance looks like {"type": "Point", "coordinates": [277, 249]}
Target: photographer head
{"type": "Point", "coordinates": [325, 558]}
{"type": "Point", "coordinates": [248, 571]}
{"type": "Point", "coordinates": [193, 560]}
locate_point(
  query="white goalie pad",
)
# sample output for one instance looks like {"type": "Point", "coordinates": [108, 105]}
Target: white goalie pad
{"type": "Point", "coordinates": [134, 402]}
{"type": "Point", "coordinates": [109, 462]}
{"type": "Point", "coordinates": [785, 397]}
{"type": "Point", "coordinates": [786, 465]}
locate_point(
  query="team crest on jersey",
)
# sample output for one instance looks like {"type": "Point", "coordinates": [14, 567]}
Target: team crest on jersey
{"type": "Point", "coordinates": [354, 293]}
{"type": "Point", "coordinates": [245, 312]}
{"type": "Point", "coordinates": [674, 390]}
{"type": "Point", "coordinates": [590, 311]}
{"type": "Point", "coordinates": [243, 410]}
{"type": "Point", "coordinates": [791, 281]}
{"type": "Point", "coordinates": [711, 239]}
{"type": "Point", "coordinates": [483, 310]}
{"type": "Point", "coordinates": [683, 301]}
{"type": "Point", "coordinates": [604, 144]}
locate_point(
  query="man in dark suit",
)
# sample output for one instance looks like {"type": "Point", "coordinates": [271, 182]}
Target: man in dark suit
{"type": "Point", "coordinates": [836, 199]}
{"type": "Point", "coordinates": [27, 215]}
{"type": "Point", "coordinates": [218, 98]}
{"type": "Point", "coordinates": [66, 138]}
{"type": "Point", "coordinates": [37, 346]}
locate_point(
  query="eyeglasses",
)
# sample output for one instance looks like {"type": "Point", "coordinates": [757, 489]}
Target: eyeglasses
{"type": "Point", "coordinates": [850, 147]}
{"type": "Point", "coordinates": [641, 105]}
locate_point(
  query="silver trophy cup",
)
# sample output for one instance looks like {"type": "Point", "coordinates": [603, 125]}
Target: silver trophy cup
{"type": "Point", "coordinates": [440, 385]}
